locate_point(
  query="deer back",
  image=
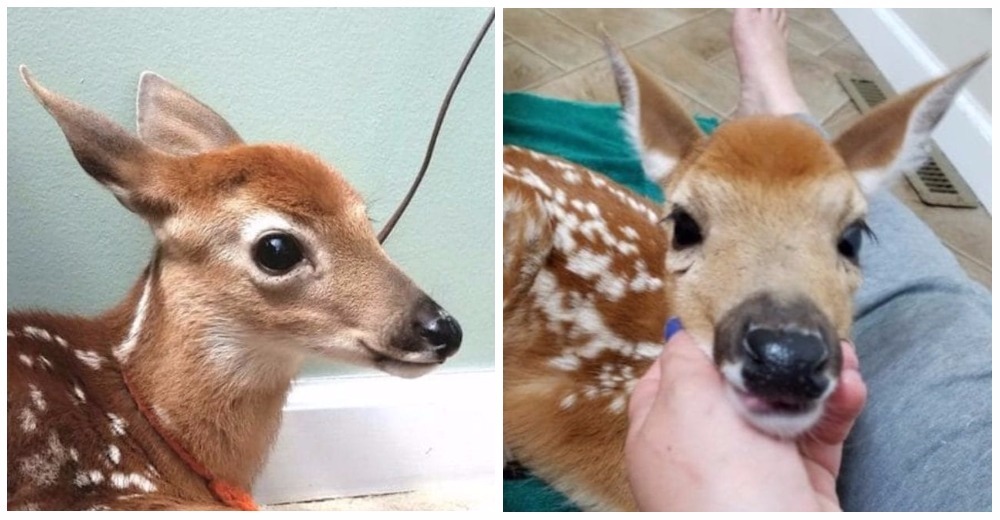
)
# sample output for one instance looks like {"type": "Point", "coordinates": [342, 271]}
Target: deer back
{"type": "Point", "coordinates": [584, 308]}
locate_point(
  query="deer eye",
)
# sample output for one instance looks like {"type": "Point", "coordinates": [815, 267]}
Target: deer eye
{"type": "Point", "coordinates": [687, 232]}
{"type": "Point", "coordinates": [277, 253]}
{"type": "Point", "coordinates": [849, 244]}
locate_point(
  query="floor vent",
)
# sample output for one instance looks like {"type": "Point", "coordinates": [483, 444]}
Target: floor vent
{"type": "Point", "coordinates": [936, 182]}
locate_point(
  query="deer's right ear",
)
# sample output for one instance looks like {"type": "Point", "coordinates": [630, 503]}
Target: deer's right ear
{"type": "Point", "coordinates": [112, 156]}
{"type": "Point", "coordinates": [173, 121]}
{"type": "Point", "coordinates": [527, 239]}
{"type": "Point", "coordinates": [659, 129]}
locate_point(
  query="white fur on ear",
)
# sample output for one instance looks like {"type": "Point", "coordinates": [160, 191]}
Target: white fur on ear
{"type": "Point", "coordinates": [628, 92]}
{"type": "Point", "coordinates": [914, 147]}
{"type": "Point", "coordinates": [871, 180]}
{"type": "Point", "coordinates": [657, 127]}
{"type": "Point", "coordinates": [655, 164]}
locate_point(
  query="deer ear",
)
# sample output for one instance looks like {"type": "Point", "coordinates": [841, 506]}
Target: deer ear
{"type": "Point", "coordinates": [527, 239]}
{"type": "Point", "coordinates": [896, 136]}
{"type": "Point", "coordinates": [173, 121]}
{"type": "Point", "coordinates": [112, 156]}
{"type": "Point", "coordinates": [656, 125]}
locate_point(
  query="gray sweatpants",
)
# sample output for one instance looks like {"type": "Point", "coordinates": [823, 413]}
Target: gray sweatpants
{"type": "Point", "coordinates": [923, 335]}
{"type": "Point", "coordinates": [923, 332]}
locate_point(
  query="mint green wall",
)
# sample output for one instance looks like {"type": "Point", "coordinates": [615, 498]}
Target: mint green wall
{"type": "Point", "coordinates": [359, 87]}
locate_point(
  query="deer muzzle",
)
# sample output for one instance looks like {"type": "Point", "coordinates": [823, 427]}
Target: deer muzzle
{"type": "Point", "coordinates": [781, 357]}
{"type": "Point", "coordinates": [438, 331]}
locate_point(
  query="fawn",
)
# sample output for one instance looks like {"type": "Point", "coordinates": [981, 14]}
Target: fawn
{"type": "Point", "coordinates": [263, 254]}
{"type": "Point", "coordinates": [756, 250]}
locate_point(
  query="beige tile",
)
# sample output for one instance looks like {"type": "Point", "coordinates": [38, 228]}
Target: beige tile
{"type": "Point", "coordinates": [688, 73]}
{"type": "Point", "coordinates": [813, 78]}
{"type": "Point", "coordinates": [507, 39]}
{"type": "Point", "coordinates": [696, 108]}
{"type": "Point", "coordinates": [808, 38]}
{"type": "Point", "coordinates": [975, 271]}
{"type": "Point", "coordinates": [523, 68]}
{"type": "Point", "coordinates": [626, 26]}
{"type": "Point", "coordinates": [551, 38]}
{"type": "Point", "coordinates": [822, 19]}
{"type": "Point", "coordinates": [848, 56]}
{"type": "Point", "coordinates": [841, 119]}
{"type": "Point", "coordinates": [966, 230]}
{"type": "Point", "coordinates": [592, 82]}
{"type": "Point", "coordinates": [595, 83]}
{"type": "Point", "coordinates": [705, 38]}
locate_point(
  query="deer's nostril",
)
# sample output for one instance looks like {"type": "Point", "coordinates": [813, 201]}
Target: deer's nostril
{"type": "Point", "coordinates": [752, 350]}
{"type": "Point", "coordinates": [442, 334]}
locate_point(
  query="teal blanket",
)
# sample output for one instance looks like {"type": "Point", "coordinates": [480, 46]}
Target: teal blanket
{"type": "Point", "coordinates": [587, 134]}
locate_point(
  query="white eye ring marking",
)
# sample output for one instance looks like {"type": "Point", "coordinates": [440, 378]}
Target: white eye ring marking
{"type": "Point", "coordinates": [257, 225]}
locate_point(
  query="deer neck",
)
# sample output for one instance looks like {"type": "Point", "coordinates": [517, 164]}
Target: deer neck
{"type": "Point", "coordinates": [216, 394]}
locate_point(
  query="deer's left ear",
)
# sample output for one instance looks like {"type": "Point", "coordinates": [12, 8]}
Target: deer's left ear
{"type": "Point", "coordinates": [895, 137]}
{"type": "Point", "coordinates": [659, 129]}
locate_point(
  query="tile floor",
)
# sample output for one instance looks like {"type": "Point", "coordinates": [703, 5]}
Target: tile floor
{"type": "Point", "coordinates": [557, 52]}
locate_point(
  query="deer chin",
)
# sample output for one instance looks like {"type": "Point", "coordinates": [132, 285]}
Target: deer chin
{"type": "Point", "coordinates": [782, 419]}
{"type": "Point", "coordinates": [401, 363]}
{"type": "Point", "coordinates": [356, 350]}
{"type": "Point", "coordinates": [404, 369]}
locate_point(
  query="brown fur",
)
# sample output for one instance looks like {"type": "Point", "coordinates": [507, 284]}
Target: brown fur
{"type": "Point", "coordinates": [771, 196]}
{"type": "Point", "coordinates": [220, 339]}
{"type": "Point", "coordinates": [774, 219]}
{"type": "Point", "coordinates": [561, 445]}
{"type": "Point", "coordinates": [71, 423]}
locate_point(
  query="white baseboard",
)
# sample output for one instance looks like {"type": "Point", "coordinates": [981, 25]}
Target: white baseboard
{"type": "Point", "coordinates": [368, 435]}
{"type": "Point", "coordinates": [965, 135]}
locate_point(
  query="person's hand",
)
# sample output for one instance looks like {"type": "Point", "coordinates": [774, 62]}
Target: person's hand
{"type": "Point", "coordinates": [688, 449]}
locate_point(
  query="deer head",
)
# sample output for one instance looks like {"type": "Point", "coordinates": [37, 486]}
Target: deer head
{"type": "Point", "coordinates": [262, 251]}
{"type": "Point", "coordinates": [765, 220]}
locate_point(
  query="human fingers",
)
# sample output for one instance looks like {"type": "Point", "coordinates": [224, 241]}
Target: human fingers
{"type": "Point", "coordinates": [682, 369]}
{"type": "Point", "coordinates": [842, 409]}
{"type": "Point", "coordinates": [643, 396]}
{"type": "Point", "coordinates": [849, 354]}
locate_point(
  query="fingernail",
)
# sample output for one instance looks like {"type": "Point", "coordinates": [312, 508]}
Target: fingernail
{"type": "Point", "coordinates": [673, 327]}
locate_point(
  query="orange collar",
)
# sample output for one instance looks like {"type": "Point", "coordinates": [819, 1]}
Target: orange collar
{"type": "Point", "coordinates": [227, 493]}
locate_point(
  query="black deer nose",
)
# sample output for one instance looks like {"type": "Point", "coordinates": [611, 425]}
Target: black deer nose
{"type": "Point", "coordinates": [441, 333]}
{"type": "Point", "coordinates": [785, 364]}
